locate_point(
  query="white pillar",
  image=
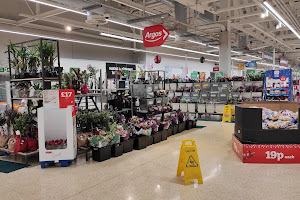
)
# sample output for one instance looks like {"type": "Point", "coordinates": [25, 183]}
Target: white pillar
{"type": "Point", "coordinates": [225, 53]}
{"type": "Point", "coordinates": [274, 57]}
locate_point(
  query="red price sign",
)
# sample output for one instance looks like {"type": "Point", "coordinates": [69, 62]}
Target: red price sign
{"type": "Point", "coordinates": [67, 98]}
{"type": "Point", "coordinates": [282, 78]}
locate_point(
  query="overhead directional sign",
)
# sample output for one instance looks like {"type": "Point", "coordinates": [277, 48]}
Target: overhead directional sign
{"type": "Point", "coordinates": [154, 36]}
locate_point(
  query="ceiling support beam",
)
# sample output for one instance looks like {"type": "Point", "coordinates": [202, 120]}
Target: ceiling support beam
{"type": "Point", "coordinates": [32, 18]}
{"type": "Point", "coordinates": [141, 19]}
{"type": "Point", "coordinates": [229, 8]}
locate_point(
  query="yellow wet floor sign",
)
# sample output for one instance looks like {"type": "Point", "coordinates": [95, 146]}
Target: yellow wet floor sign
{"type": "Point", "coordinates": [227, 114]}
{"type": "Point", "coordinates": [189, 162]}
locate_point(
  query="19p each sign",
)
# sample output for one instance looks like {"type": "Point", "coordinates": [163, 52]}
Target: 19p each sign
{"type": "Point", "coordinates": [154, 36]}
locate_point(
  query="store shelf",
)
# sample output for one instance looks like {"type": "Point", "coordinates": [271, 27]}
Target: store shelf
{"type": "Point", "coordinates": [277, 94]}
{"type": "Point", "coordinates": [277, 88]}
{"type": "Point", "coordinates": [28, 98]}
{"type": "Point", "coordinates": [35, 79]}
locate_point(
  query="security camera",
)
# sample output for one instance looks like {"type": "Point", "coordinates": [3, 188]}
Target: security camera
{"type": "Point", "coordinates": [106, 16]}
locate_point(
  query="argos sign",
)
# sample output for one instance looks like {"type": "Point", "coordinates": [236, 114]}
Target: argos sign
{"type": "Point", "coordinates": [154, 36]}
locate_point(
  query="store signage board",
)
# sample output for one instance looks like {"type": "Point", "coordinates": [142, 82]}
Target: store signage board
{"type": "Point", "coordinates": [266, 153]}
{"type": "Point", "coordinates": [133, 74]}
{"type": "Point", "coordinates": [113, 69]}
{"type": "Point", "coordinates": [250, 64]}
{"type": "Point", "coordinates": [194, 75]}
{"type": "Point", "coordinates": [219, 74]}
{"type": "Point", "coordinates": [283, 61]}
{"type": "Point", "coordinates": [268, 57]}
{"type": "Point", "coordinates": [250, 71]}
{"type": "Point", "coordinates": [59, 99]}
{"type": "Point", "coordinates": [154, 36]}
{"type": "Point", "coordinates": [74, 69]}
{"type": "Point", "coordinates": [216, 69]}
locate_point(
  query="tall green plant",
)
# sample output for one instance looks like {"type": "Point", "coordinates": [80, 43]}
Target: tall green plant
{"type": "Point", "coordinates": [33, 59]}
{"type": "Point", "coordinates": [48, 53]}
{"type": "Point", "coordinates": [14, 59]}
{"type": "Point", "coordinates": [23, 55]}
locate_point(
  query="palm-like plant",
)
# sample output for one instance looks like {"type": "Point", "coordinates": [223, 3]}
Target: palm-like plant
{"type": "Point", "coordinates": [22, 54]}
{"type": "Point", "coordinates": [33, 59]}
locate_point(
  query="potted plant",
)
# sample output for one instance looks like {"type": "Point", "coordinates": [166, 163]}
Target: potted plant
{"type": "Point", "coordinates": [33, 62]}
{"type": "Point", "coordinates": [23, 55]}
{"type": "Point", "coordinates": [23, 91]}
{"type": "Point", "coordinates": [38, 90]}
{"type": "Point", "coordinates": [48, 50]}
{"type": "Point", "coordinates": [142, 73]}
{"type": "Point", "coordinates": [14, 60]}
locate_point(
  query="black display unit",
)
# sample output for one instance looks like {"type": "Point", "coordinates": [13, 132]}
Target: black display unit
{"type": "Point", "coordinates": [248, 124]}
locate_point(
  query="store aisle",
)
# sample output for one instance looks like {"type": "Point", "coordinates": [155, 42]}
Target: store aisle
{"type": "Point", "coordinates": [151, 174]}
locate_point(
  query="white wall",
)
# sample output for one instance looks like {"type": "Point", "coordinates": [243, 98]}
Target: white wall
{"type": "Point", "coordinates": [173, 62]}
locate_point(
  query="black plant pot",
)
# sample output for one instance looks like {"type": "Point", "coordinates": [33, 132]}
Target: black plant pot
{"type": "Point", "coordinates": [157, 137]}
{"type": "Point", "coordinates": [101, 154]}
{"type": "Point", "coordinates": [170, 131]}
{"type": "Point", "coordinates": [127, 145]}
{"type": "Point", "coordinates": [181, 127]}
{"type": "Point", "coordinates": [21, 75]}
{"type": "Point", "coordinates": [194, 124]}
{"type": "Point", "coordinates": [164, 135]}
{"type": "Point", "coordinates": [17, 76]}
{"type": "Point", "coordinates": [27, 75]}
{"type": "Point", "coordinates": [149, 140]}
{"type": "Point", "coordinates": [117, 150]}
{"type": "Point", "coordinates": [140, 142]}
{"type": "Point", "coordinates": [175, 129]}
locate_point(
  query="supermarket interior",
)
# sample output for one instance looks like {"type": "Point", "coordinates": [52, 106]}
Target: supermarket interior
{"type": "Point", "coordinates": [149, 99]}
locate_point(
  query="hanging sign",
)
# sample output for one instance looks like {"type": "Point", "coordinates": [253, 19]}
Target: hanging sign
{"type": "Point", "coordinates": [268, 57]}
{"type": "Point", "coordinates": [283, 61]}
{"type": "Point", "coordinates": [194, 75]}
{"type": "Point", "coordinates": [154, 36]}
{"type": "Point", "coordinates": [241, 66]}
{"type": "Point", "coordinates": [157, 59]}
{"type": "Point", "coordinates": [219, 74]}
{"type": "Point", "coordinates": [216, 69]}
{"type": "Point", "coordinates": [250, 71]}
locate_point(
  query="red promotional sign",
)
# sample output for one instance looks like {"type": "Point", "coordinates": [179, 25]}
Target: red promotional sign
{"type": "Point", "coordinates": [266, 153]}
{"type": "Point", "coordinates": [154, 36]}
{"type": "Point", "coordinates": [67, 98]}
{"type": "Point", "coordinates": [283, 61]}
{"type": "Point", "coordinates": [216, 69]}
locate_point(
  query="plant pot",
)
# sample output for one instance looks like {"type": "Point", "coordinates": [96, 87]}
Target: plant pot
{"type": "Point", "coordinates": [127, 145]}
{"type": "Point", "coordinates": [27, 75]}
{"type": "Point", "coordinates": [117, 150]}
{"type": "Point", "coordinates": [17, 76]}
{"type": "Point", "coordinates": [175, 129]}
{"type": "Point", "coordinates": [23, 93]}
{"type": "Point", "coordinates": [149, 140]}
{"type": "Point", "coordinates": [21, 75]}
{"type": "Point", "coordinates": [170, 131]}
{"type": "Point", "coordinates": [140, 142]}
{"type": "Point", "coordinates": [101, 154]}
{"type": "Point", "coordinates": [194, 124]}
{"type": "Point", "coordinates": [181, 127]}
{"type": "Point", "coordinates": [157, 137]}
{"type": "Point", "coordinates": [164, 135]}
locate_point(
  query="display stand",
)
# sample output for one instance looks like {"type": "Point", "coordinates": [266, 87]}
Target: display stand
{"type": "Point", "coordinates": [57, 121]}
{"type": "Point", "coordinates": [278, 85]}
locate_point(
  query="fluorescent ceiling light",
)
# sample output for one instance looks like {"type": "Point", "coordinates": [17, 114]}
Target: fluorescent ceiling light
{"type": "Point", "coordinates": [60, 7]}
{"type": "Point", "coordinates": [278, 16]}
{"type": "Point", "coordinates": [99, 44]}
{"type": "Point", "coordinates": [120, 37]}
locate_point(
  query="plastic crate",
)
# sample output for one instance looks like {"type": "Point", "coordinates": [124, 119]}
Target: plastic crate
{"type": "Point", "coordinates": [201, 108]}
{"type": "Point", "coordinates": [210, 108]}
{"type": "Point", "coordinates": [219, 108]}
{"type": "Point", "coordinates": [184, 107]}
{"type": "Point", "coordinates": [145, 103]}
{"type": "Point", "coordinates": [191, 107]}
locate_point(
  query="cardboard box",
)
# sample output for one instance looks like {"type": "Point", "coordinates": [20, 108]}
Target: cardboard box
{"type": "Point", "coordinates": [248, 124]}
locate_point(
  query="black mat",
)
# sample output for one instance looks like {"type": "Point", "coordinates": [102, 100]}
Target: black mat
{"type": "Point", "coordinates": [7, 167]}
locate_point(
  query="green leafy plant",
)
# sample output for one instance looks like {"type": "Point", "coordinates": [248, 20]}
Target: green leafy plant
{"type": "Point", "coordinates": [93, 74]}
{"type": "Point", "coordinates": [23, 122]}
{"type": "Point", "coordinates": [2, 120]}
{"type": "Point", "coordinates": [142, 73]}
{"type": "Point", "coordinates": [37, 86]}
{"type": "Point", "coordinates": [48, 50]}
{"type": "Point", "coordinates": [14, 60]}
{"type": "Point", "coordinates": [10, 116]}
{"type": "Point", "coordinates": [33, 59]}
{"type": "Point", "coordinates": [23, 55]}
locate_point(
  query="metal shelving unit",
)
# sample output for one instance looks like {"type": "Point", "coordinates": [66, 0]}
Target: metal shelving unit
{"type": "Point", "coordinates": [43, 79]}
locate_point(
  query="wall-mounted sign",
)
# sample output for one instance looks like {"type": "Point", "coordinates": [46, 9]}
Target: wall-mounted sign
{"type": "Point", "coordinates": [4, 69]}
{"type": "Point", "coordinates": [283, 61]}
{"type": "Point", "coordinates": [194, 75]}
{"type": "Point", "coordinates": [241, 66]}
{"type": "Point", "coordinates": [157, 59]}
{"type": "Point", "coordinates": [219, 74]}
{"type": "Point", "coordinates": [268, 57]}
{"type": "Point", "coordinates": [114, 69]}
{"type": "Point", "coordinates": [216, 69]}
{"type": "Point", "coordinates": [250, 71]}
{"type": "Point", "coordinates": [251, 64]}
{"type": "Point", "coordinates": [154, 36]}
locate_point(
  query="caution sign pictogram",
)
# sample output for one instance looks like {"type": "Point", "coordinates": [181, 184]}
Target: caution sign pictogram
{"type": "Point", "coordinates": [227, 114]}
{"type": "Point", "coordinates": [189, 162]}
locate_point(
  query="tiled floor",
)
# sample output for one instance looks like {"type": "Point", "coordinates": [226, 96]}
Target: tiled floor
{"type": "Point", "coordinates": [151, 174]}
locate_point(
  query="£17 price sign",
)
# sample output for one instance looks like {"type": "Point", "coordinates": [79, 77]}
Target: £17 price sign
{"type": "Point", "coordinates": [67, 98]}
